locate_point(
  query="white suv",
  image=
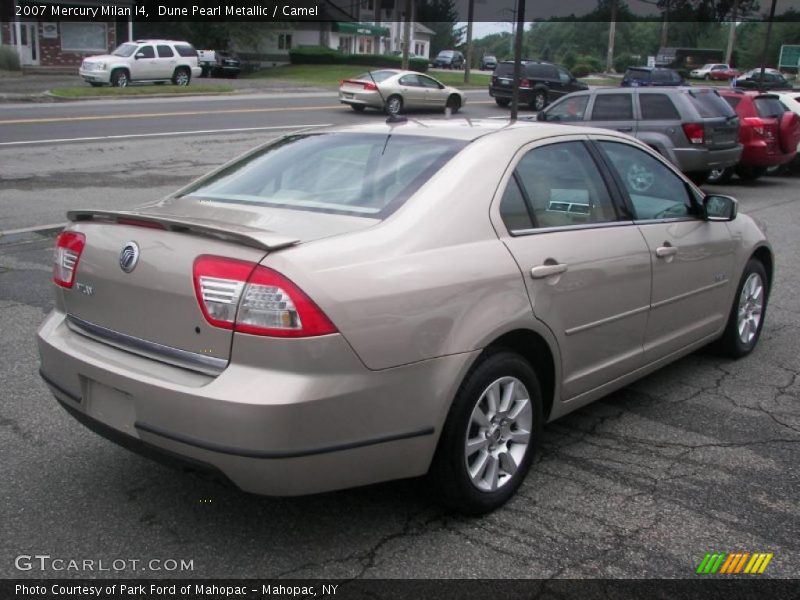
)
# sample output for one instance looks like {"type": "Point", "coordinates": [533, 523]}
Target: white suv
{"type": "Point", "coordinates": [143, 60]}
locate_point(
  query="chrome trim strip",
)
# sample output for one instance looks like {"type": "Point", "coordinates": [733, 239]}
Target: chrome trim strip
{"type": "Point", "coordinates": [539, 230]}
{"type": "Point", "coordinates": [607, 320]}
{"type": "Point", "coordinates": [184, 359]}
{"type": "Point", "coordinates": [691, 293]}
{"type": "Point", "coordinates": [250, 453]}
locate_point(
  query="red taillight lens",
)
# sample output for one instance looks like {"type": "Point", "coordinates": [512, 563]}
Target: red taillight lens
{"type": "Point", "coordinates": [66, 255]}
{"type": "Point", "coordinates": [370, 87]}
{"type": "Point", "coordinates": [525, 83]}
{"type": "Point", "coordinates": [695, 132]}
{"type": "Point", "coordinates": [756, 125]}
{"type": "Point", "coordinates": [249, 298]}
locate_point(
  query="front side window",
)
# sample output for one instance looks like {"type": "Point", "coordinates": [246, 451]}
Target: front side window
{"type": "Point", "coordinates": [367, 175]}
{"type": "Point", "coordinates": [561, 185]}
{"type": "Point", "coordinates": [612, 107]}
{"type": "Point", "coordinates": [146, 52]}
{"type": "Point", "coordinates": [124, 50]}
{"type": "Point", "coordinates": [563, 76]}
{"type": "Point", "coordinates": [655, 191]}
{"type": "Point", "coordinates": [570, 108]}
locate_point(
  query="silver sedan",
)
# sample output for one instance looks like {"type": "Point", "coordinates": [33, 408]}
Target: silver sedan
{"type": "Point", "coordinates": [394, 90]}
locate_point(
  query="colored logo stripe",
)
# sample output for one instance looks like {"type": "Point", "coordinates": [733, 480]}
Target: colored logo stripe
{"type": "Point", "coordinates": [734, 563]}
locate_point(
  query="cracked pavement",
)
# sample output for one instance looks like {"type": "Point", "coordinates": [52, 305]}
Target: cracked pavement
{"type": "Point", "coordinates": [700, 456]}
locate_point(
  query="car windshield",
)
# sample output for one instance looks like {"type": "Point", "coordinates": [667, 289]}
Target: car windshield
{"type": "Point", "coordinates": [445, 54]}
{"type": "Point", "coordinates": [125, 50]}
{"type": "Point", "coordinates": [376, 76]}
{"type": "Point", "coordinates": [368, 175]}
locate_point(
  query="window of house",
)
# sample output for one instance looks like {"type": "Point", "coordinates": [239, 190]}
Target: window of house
{"type": "Point", "coordinates": [284, 41]}
{"type": "Point", "coordinates": [82, 37]}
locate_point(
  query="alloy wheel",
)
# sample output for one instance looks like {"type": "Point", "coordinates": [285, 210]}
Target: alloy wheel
{"type": "Point", "coordinates": [751, 307]}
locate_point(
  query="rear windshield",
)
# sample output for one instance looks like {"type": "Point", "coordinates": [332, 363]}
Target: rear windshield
{"type": "Point", "coordinates": [640, 74]}
{"type": "Point", "coordinates": [769, 106]}
{"type": "Point", "coordinates": [504, 69]}
{"type": "Point", "coordinates": [377, 76]}
{"type": "Point", "coordinates": [368, 175]}
{"type": "Point", "coordinates": [710, 104]}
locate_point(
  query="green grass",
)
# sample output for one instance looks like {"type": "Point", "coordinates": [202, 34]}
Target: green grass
{"type": "Point", "coordinates": [330, 75]}
{"type": "Point", "coordinates": [80, 91]}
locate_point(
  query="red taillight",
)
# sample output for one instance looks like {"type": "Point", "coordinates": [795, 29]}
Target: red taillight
{"type": "Point", "coordinates": [248, 298]}
{"type": "Point", "coordinates": [370, 87]}
{"type": "Point", "coordinates": [525, 83]}
{"type": "Point", "coordinates": [66, 255]}
{"type": "Point", "coordinates": [756, 125]}
{"type": "Point", "coordinates": [367, 85]}
{"type": "Point", "coordinates": [695, 132]}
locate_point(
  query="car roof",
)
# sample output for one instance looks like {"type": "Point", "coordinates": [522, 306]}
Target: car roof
{"type": "Point", "coordinates": [461, 128]}
{"type": "Point", "coordinates": [158, 41]}
{"type": "Point", "coordinates": [645, 68]}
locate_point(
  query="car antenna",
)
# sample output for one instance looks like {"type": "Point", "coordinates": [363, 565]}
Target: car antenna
{"type": "Point", "coordinates": [392, 118]}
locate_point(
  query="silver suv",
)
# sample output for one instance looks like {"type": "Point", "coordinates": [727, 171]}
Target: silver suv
{"type": "Point", "coordinates": [143, 61]}
{"type": "Point", "coordinates": [693, 127]}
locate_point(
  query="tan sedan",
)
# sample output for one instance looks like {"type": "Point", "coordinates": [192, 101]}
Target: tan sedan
{"type": "Point", "coordinates": [357, 304]}
{"type": "Point", "coordinates": [394, 91]}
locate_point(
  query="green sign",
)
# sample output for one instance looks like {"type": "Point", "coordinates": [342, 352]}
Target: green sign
{"type": "Point", "coordinates": [790, 56]}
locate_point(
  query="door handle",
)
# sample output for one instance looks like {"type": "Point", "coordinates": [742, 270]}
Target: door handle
{"type": "Point", "coordinates": [624, 129]}
{"type": "Point", "coordinates": [666, 250]}
{"type": "Point", "coordinates": [543, 271]}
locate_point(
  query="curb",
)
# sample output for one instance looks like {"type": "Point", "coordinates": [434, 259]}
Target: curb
{"type": "Point", "coordinates": [29, 234]}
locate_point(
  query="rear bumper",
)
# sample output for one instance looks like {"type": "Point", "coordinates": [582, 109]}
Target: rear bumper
{"type": "Point", "coordinates": [371, 99]}
{"type": "Point", "coordinates": [314, 419]}
{"type": "Point", "coordinates": [703, 159]}
{"type": "Point", "coordinates": [759, 156]}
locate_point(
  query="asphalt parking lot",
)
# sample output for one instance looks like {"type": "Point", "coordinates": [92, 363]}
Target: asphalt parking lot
{"type": "Point", "coordinates": [699, 457]}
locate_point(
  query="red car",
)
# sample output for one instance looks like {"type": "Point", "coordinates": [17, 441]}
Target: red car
{"type": "Point", "coordinates": [768, 132]}
{"type": "Point", "coordinates": [723, 74]}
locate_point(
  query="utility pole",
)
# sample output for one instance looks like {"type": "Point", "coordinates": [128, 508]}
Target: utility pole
{"type": "Point", "coordinates": [665, 27]}
{"type": "Point", "coordinates": [612, 30]}
{"type": "Point", "coordinates": [518, 58]}
{"type": "Point", "coordinates": [732, 32]}
{"type": "Point", "coordinates": [468, 63]}
{"type": "Point", "coordinates": [406, 34]}
{"type": "Point", "coordinates": [378, 38]}
{"type": "Point", "coordinates": [766, 45]}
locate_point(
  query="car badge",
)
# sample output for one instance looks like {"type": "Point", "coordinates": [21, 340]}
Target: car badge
{"type": "Point", "coordinates": [129, 257]}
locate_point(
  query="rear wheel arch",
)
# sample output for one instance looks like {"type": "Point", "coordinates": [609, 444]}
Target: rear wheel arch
{"type": "Point", "coordinates": [537, 352]}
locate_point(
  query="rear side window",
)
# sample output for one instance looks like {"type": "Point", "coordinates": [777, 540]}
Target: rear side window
{"type": "Point", "coordinates": [638, 74]}
{"type": "Point", "coordinates": [514, 209]}
{"type": "Point", "coordinates": [563, 186]}
{"type": "Point", "coordinates": [657, 107]}
{"type": "Point", "coordinates": [165, 51]}
{"type": "Point", "coordinates": [769, 107]}
{"type": "Point", "coordinates": [612, 107]}
{"type": "Point", "coordinates": [185, 50]}
{"type": "Point", "coordinates": [710, 104]}
{"type": "Point", "coordinates": [368, 175]}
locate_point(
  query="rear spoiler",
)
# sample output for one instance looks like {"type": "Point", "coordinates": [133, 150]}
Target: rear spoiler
{"type": "Point", "coordinates": [239, 234]}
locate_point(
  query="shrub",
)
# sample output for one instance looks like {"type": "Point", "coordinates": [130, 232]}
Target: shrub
{"type": "Point", "coordinates": [9, 59]}
{"type": "Point", "coordinates": [319, 55]}
{"type": "Point", "coordinates": [623, 61]}
{"type": "Point", "coordinates": [582, 69]}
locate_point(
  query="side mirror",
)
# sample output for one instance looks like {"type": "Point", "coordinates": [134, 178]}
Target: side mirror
{"type": "Point", "coordinates": [720, 208]}
{"type": "Point", "coordinates": [541, 116]}
{"type": "Point", "coordinates": [139, 55]}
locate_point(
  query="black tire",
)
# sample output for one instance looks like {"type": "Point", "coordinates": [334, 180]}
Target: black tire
{"type": "Point", "coordinates": [394, 105]}
{"type": "Point", "coordinates": [720, 176]}
{"type": "Point", "coordinates": [539, 100]}
{"type": "Point", "coordinates": [731, 344]}
{"type": "Point", "coordinates": [358, 107]}
{"type": "Point", "coordinates": [750, 173]}
{"type": "Point", "coordinates": [120, 78]}
{"type": "Point", "coordinates": [504, 102]}
{"type": "Point", "coordinates": [448, 474]}
{"type": "Point", "coordinates": [182, 76]}
{"type": "Point", "coordinates": [698, 177]}
{"type": "Point", "coordinates": [453, 103]}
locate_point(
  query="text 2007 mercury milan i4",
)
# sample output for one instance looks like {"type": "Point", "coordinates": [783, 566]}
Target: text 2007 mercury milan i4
{"type": "Point", "coordinates": [357, 304]}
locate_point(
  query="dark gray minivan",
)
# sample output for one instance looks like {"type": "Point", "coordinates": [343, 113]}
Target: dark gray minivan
{"type": "Point", "coordinates": [693, 127]}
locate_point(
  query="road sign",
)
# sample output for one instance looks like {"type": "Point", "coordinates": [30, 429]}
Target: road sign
{"type": "Point", "coordinates": [790, 56]}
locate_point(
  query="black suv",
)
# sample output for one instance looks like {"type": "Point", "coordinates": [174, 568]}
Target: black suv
{"type": "Point", "coordinates": [651, 77]}
{"type": "Point", "coordinates": [540, 83]}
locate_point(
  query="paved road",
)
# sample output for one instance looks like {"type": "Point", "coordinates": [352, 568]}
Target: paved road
{"type": "Point", "coordinates": [700, 456]}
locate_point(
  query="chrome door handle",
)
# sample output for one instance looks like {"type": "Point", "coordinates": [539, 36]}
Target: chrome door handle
{"type": "Point", "coordinates": [543, 271]}
{"type": "Point", "coordinates": [665, 251]}
{"type": "Point", "coordinates": [624, 129]}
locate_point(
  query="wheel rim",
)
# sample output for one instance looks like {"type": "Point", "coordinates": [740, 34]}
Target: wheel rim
{"type": "Point", "coordinates": [640, 179]}
{"type": "Point", "coordinates": [182, 78]}
{"type": "Point", "coordinates": [538, 101]}
{"type": "Point", "coordinates": [498, 434]}
{"type": "Point", "coordinates": [122, 80]}
{"type": "Point", "coordinates": [715, 174]}
{"type": "Point", "coordinates": [751, 307]}
{"type": "Point", "coordinates": [394, 106]}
